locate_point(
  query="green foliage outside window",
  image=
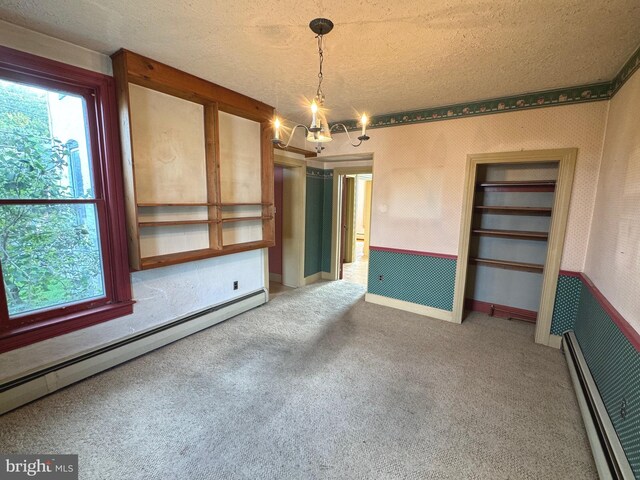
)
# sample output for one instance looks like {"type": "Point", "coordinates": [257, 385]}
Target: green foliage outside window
{"type": "Point", "coordinates": [49, 253]}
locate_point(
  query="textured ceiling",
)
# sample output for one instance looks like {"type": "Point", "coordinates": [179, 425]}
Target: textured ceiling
{"type": "Point", "coordinates": [381, 57]}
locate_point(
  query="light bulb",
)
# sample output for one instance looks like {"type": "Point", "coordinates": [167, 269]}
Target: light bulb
{"type": "Point", "coordinates": [276, 124]}
{"type": "Point", "coordinates": [364, 124]}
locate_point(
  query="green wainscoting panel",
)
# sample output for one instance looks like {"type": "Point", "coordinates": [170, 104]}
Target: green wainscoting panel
{"type": "Point", "coordinates": [414, 278]}
{"type": "Point", "coordinates": [327, 217]}
{"type": "Point", "coordinates": [566, 305]}
{"type": "Point", "coordinates": [314, 221]}
{"type": "Point", "coordinates": [614, 363]}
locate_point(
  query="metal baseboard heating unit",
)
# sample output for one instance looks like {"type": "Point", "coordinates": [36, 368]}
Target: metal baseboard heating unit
{"type": "Point", "coordinates": [20, 391]}
{"type": "Point", "coordinates": [608, 454]}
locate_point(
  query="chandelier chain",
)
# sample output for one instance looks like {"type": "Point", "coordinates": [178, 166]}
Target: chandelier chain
{"type": "Point", "coordinates": [319, 93]}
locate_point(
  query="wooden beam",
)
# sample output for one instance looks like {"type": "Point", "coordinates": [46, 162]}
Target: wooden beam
{"type": "Point", "coordinates": [158, 76]}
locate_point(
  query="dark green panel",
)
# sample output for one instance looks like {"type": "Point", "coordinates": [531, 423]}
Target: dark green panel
{"type": "Point", "coordinates": [565, 309]}
{"type": "Point", "coordinates": [313, 222]}
{"type": "Point", "coordinates": [417, 279]}
{"type": "Point", "coordinates": [615, 365]}
{"type": "Point", "coordinates": [327, 217]}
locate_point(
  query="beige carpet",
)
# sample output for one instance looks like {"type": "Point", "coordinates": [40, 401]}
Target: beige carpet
{"type": "Point", "coordinates": [319, 384]}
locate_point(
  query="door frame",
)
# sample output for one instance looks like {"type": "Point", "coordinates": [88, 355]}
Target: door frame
{"type": "Point", "coordinates": [336, 214]}
{"type": "Point", "coordinates": [566, 159]}
{"type": "Point", "coordinates": [293, 254]}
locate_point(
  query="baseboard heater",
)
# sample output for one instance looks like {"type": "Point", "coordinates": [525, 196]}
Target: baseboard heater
{"type": "Point", "coordinates": [608, 454]}
{"type": "Point", "coordinates": [20, 391]}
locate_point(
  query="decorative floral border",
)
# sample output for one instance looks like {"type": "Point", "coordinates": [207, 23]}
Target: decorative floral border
{"type": "Point", "coordinates": [625, 72]}
{"type": "Point", "coordinates": [582, 94]}
{"type": "Point", "coordinates": [319, 173]}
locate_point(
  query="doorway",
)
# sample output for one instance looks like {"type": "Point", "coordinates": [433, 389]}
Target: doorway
{"type": "Point", "coordinates": [352, 224]}
{"type": "Point", "coordinates": [286, 258]}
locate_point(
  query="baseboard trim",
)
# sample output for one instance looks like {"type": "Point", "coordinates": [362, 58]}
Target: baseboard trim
{"type": "Point", "coordinates": [327, 276]}
{"type": "Point", "coordinates": [500, 311]}
{"type": "Point", "coordinates": [313, 278]}
{"type": "Point", "coordinates": [18, 392]}
{"type": "Point", "coordinates": [275, 277]}
{"type": "Point", "coordinates": [555, 341]}
{"type": "Point", "coordinates": [410, 307]}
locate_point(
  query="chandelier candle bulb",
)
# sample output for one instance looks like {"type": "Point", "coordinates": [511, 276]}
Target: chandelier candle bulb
{"type": "Point", "coordinates": [277, 127]}
{"type": "Point", "coordinates": [364, 124]}
{"type": "Point", "coordinates": [314, 110]}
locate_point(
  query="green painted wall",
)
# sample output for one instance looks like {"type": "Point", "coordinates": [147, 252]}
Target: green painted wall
{"type": "Point", "coordinates": [319, 209]}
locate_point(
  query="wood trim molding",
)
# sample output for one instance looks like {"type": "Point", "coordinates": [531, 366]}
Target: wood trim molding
{"type": "Point", "coordinates": [566, 159]}
{"type": "Point", "coordinates": [158, 76]}
{"type": "Point", "coordinates": [414, 252]}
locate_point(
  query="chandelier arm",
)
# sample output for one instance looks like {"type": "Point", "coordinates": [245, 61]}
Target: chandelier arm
{"type": "Point", "coordinates": [281, 144]}
{"type": "Point", "coordinates": [339, 125]}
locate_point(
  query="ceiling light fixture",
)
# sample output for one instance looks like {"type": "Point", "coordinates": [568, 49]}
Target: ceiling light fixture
{"type": "Point", "coordinates": [319, 131]}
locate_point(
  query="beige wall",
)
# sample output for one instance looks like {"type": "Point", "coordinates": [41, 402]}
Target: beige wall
{"type": "Point", "coordinates": [419, 172]}
{"type": "Point", "coordinates": [613, 260]}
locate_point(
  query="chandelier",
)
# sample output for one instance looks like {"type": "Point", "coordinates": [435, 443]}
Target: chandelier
{"type": "Point", "coordinates": [319, 131]}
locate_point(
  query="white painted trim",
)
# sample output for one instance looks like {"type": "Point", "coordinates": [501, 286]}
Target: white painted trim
{"type": "Point", "coordinates": [296, 193]}
{"type": "Point", "coordinates": [410, 307]}
{"type": "Point", "coordinates": [36, 43]}
{"type": "Point", "coordinates": [566, 158]}
{"type": "Point", "coordinates": [326, 276]}
{"type": "Point", "coordinates": [555, 341]}
{"type": "Point", "coordinates": [316, 277]}
{"type": "Point", "coordinates": [57, 379]}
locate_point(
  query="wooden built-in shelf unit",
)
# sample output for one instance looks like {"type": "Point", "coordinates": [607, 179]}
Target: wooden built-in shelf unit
{"type": "Point", "coordinates": [526, 267]}
{"type": "Point", "coordinates": [518, 186]}
{"type": "Point", "coordinates": [496, 217]}
{"type": "Point", "coordinates": [198, 165]}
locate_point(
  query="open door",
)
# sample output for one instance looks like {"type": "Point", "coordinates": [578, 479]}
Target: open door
{"type": "Point", "coordinates": [348, 234]}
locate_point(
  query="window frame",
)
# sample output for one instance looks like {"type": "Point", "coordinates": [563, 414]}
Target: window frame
{"type": "Point", "coordinates": [98, 90]}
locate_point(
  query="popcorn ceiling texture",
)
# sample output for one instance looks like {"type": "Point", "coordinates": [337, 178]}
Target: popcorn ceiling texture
{"type": "Point", "coordinates": [613, 260]}
{"type": "Point", "coordinates": [382, 56]}
{"type": "Point", "coordinates": [419, 172]}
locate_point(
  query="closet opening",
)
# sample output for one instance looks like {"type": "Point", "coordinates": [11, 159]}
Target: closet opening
{"type": "Point", "coordinates": [514, 219]}
{"type": "Point", "coordinates": [511, 219]}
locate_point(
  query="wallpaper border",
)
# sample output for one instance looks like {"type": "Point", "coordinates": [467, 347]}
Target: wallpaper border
{"type": "Point", "coordinates": [547, 98]}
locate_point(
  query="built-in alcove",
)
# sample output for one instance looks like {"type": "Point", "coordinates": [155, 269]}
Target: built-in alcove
{"type": "Point", "coordinates": [198, 165]}
{"type": "Point", "coordinates": [514, 219]}
{"type": "Point", "coordinates": [512, 210]}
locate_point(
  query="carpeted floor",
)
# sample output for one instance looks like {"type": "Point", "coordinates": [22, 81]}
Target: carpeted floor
{"type": "Point", "coordinates": [319, 384]}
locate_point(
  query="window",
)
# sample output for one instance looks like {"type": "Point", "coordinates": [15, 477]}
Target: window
{"type": "Point", "coordinates": [62, 255]}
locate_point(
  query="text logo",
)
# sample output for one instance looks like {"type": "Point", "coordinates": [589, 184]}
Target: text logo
{"type": "Point", "coordinates": [46, 467]}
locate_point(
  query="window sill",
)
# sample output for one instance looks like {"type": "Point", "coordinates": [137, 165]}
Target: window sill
{"type": "Point", "coordinates": [29, 334]}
